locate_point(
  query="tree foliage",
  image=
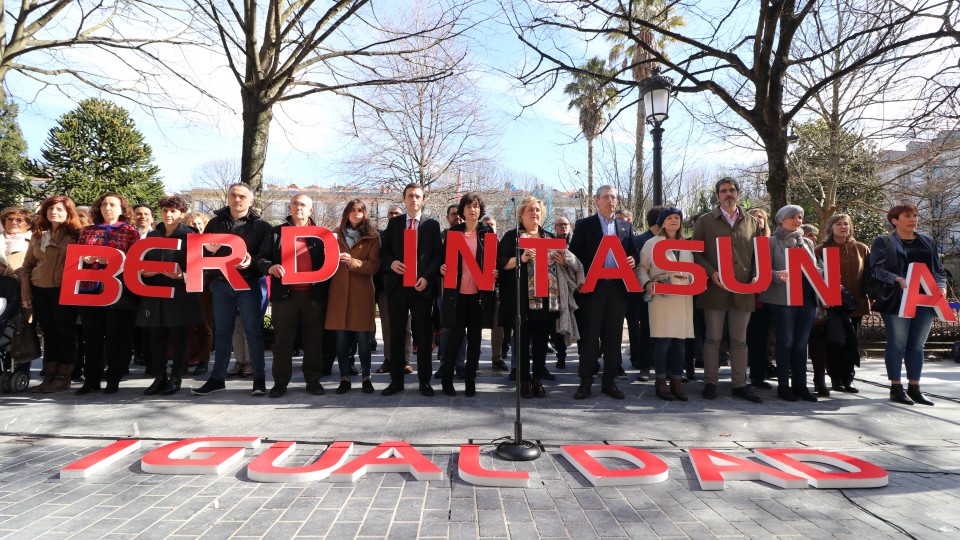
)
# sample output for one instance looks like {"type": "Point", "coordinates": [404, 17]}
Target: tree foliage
{"type": "Point", "coordinates": [592, 94]}
{"type": "Point", "coordinates": [97, 148]}
{"type": "Point", "coordinates": [13, 184]}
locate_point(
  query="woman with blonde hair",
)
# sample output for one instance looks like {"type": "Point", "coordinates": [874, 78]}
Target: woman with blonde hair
{"type": "Point", "coordinates": [538, 315]}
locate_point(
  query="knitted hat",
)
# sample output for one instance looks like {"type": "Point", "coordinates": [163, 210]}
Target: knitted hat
{"type": "Point", "coordinates": [667, 212]}
{"type": "Point", "coordinates": [787, 211]}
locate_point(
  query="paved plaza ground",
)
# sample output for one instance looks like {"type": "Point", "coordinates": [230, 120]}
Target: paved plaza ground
{"type": "Point", "coordinates": [920, 446]}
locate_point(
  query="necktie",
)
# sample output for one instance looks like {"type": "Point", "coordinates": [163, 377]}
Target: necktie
{"type": "Point", "coordinates": [411, 224]}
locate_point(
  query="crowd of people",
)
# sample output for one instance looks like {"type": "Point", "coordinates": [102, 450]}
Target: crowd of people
{"type": "Point", "coordinates": [335, 319]}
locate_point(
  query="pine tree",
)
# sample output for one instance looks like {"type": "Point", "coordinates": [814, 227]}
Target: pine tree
{"type": "Point", "coordinates": [97, 148]}
{"type": "Point", "coordinates": [13, 184]}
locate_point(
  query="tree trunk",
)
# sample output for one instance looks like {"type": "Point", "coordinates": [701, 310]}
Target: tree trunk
{"type": "Point", "coordinates": [589, 176]}
{"type": "Point", "coordinates": [777, 175]}
{"type": "Point", "coordinates": [638, 194]}
{"type": "Point", "coordinates": [256, 133]}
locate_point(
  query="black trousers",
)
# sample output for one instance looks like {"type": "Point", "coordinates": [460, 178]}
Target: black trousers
{"type": "Point", "coordinates": [402, 301]}
{"type": "Point", "coordinates": [638, 332]}
{"type": "Point", "coordinates": [107, 335]}
{"type": "Point", "coordinates": [602, 317]}
{"type": "Point", "coordinates": [298, 311]}
{"type": "Point", "coordinates": [175, 338]}
{"type": "Point", "coordinates": [533, 335]}
{"type": "Point", "coordinates": [758, 331]}
{"type": "Point", "coordinates": [59, 324]}
{"type": "Point", "coordinates": [468, 312]}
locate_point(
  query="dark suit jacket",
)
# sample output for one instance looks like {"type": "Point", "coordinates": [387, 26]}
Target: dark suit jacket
{"type": "Point", "coordinates": [588, 233]}
{"type": "Point", "coordinates": [429, 253]}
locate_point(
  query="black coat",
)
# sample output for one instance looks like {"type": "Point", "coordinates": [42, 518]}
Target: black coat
{"type": "Point", "coordinates": [450, 297]}
{"type": "Point", "coordinates": [587, 236]}
{"type": "Point", "coordinates": [429, 253]}
{"type": "Point", "coordinates": [318, 291]}
{"type": "Point", "coordinates": [506, 250]}
{"type": "Point", "coordinates": [887, 264]}
{"type": "Point", "coordinates": [184, 308]}
{"type": "Point", "coordinates": [256, 234]}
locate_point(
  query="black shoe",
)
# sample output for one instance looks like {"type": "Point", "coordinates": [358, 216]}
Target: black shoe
{"type": "Point", "coordinates": [155, 387]}
{"type": "Point", "coordinates": [277, 391]}
{"type": "Point", "coordinates": [761, 384]}
{"type": "Point", "coordinates": [438, 375]}
{"type": "Point", "coordinates": [850, 389]}
{"type": "Point", "coordinates": [785, 393]}
{"type": "Point", "coordinates": [612, 391]}
{"type": "Point", "coordinates": [353, 370]}
{"type": "Point", "coordinates": [500, 365]}
{"type": "Point", "coordinates": [802, 392]}
{"type": "Point", "coordinates": [344, 386]}
{"type": "Point", "coordinates": [259, 387]}
{"type": "Point", "coordinates": [725, 359]}
{"type": "Point", "coordinates": [426, 389]}
{"type": "Point", "coordinates": [744, 392]}
{"type": "Point", "coordinates": [470, 388]}
{"type": "Point", "coordinates": [561, 364]}
{"type": "Point", "coordinates": [447, 388]}
{"type": "Point", "coordinates": [315, 388]}
{"type": "Point", "coordinates": [209, 387]}
{"type": "Point", "coordinates": [644, 376]}
{"type": "Point", "coordinates": [391, 389]}
{"type": "Point", "coordinates": [112, 387]}
{"type": "Point", "coordinates": [898, 395]}
{"type": "Point", "coordinates": [458, 373]}
{"type": "Point", "coordinates": [709, 391]}
{"type": "Point", "coordinates": [546, 375]}
{"type": "Point", "coordinates": [513, 375]}
{"type": "Point", "coordinates": [584, 391]}
{"type": "Point", "coordinates": [913, 390]}
{"type": "Point", "coordinates": [88, 387]}
{"type": "Point", "coordinates": [201, 368]}
{"type": "Point", "coordinates": [367, 386]}
{"type": "Point", "coordinates": [621, 374]}
{"type": "Point", "coordinates": [172, 386]}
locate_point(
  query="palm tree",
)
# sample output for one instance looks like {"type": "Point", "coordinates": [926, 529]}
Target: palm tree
{"type": "Point", "coordinates": [592, 92]}
{"type": "Point", "coordinates": [628, 52]}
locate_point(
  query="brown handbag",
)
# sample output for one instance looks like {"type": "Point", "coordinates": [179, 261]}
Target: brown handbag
{"type": "Point", "coordinates": [25, 346]}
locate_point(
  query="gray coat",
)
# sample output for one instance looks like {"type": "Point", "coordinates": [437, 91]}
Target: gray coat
{"type": "Point", "coordinates": [710, 227]}
{"type": "Point", "coordinates": [777, 292]}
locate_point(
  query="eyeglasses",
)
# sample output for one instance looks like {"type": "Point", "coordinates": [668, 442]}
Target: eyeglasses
{"type": "Point", "coordinates": [16, 219]}
{"type": "Point", "coordinates": [563, 224]}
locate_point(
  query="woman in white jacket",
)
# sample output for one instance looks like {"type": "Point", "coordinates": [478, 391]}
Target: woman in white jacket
{"type": "Point", "coordinates": [671, 316]}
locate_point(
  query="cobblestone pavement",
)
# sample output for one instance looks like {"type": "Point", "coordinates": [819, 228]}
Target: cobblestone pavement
{"type": "Point", "coordinates": [920, 446]}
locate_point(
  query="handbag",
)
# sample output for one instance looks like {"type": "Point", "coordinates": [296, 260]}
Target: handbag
{"type": "Point", "coordinates": [25, 346]}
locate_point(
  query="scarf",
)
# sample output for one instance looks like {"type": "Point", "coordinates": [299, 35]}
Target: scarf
{"type": "Point", "coordinates": [351, 236]}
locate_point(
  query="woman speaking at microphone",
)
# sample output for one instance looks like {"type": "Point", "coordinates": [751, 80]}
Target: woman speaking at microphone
{"type": "Point", "coordinates": [538, 315]}
{"type": "Point", "coordinates": [671, 316]}
{"type": "Point", "coordinates": [466, 310]}
{"type": "Point", "coordinates": [107, 329]}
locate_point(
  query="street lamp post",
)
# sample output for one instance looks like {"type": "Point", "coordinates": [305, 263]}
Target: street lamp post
{"type": "Point", "coordinates": [656, 100]}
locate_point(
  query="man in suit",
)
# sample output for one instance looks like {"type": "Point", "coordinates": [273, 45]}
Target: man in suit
{"type": "Point", "coordinates": [416, 301]}
{"type": "Point", "coordinates": [720, 305]}
{"type": "Point", "coordinates": [638, 321]}
{"type": "Point", "coordinates": [602, 312]}
{"type": "Point", "coordinates": [384, 303]}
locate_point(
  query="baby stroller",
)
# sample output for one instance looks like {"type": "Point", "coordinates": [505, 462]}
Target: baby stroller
{"type": "Point", "coordinates": [15, 376]}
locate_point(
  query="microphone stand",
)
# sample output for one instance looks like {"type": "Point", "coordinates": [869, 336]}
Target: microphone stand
{"type": "Point", "coordinates": [518, 449]}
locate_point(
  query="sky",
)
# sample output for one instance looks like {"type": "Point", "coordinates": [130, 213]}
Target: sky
{"type": "Point", "coordinates": [306, 141]}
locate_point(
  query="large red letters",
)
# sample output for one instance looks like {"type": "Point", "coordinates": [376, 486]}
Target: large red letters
{"type": "Point", "coordinates": [288, 254]}
{"type": "Point", "coordinates": [622, 270]}
{"type": "Point", "coordinates": [456, 247]}
{"type": "Point", "coordinates": [919, 276]}
{"type": "Point", "coordinates": [74, 273]}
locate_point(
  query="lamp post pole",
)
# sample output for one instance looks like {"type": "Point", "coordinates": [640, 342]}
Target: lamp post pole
{"type": "Point", "coordinates": [657, 133]}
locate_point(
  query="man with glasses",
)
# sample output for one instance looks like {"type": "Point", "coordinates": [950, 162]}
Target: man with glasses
{"type": "Point", "coordinates": [561, 227]}
{"type": "Point", "coordinates": [719, 305]}
{"type": "Point", "coordinates": [602, 311]}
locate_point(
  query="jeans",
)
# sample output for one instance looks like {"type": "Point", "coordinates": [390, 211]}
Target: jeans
{"type": "Point", "coordinates": [905, 340]}
{"type": "Point", "coordinates": [345, 340]}
{"type": "Point", "coordinates": [793, 325]}
{"type": "Point", "coordinates": [226, 302]}
{"type": "Point", "coordinates": [668, 356]}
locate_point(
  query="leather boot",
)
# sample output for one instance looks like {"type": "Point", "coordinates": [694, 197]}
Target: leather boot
{"type": "Point", "coordinates": [525, 391]}
{"type": "Point", "coordinates": [537, 389]}
{"type": "Point", "coordinates": [913, 390]}
{"type": "Point", "coordinates": [157, 386]}
{"type": "Point", "coordinates": [898, 395]}
{"type": "Point", "coordinates": [172, 386]}
{"type": "Point", "coordinates": [676, 388]}
{"type": "Point", "coordinates": [61, 380]}
{"type": "Point", "coordinates": [446, 385]}
{"type": "Point", "coordinates": [662, 391]}
{"type": "Point", "coordinates": [802, 392]}
{"type": "Point", "coordinates": [820, 386]}
{"type": "Point", "coordinates": [49, 372]}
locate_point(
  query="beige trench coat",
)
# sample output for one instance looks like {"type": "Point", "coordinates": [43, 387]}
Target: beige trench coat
{"type": "Point", "coordinates": [671, 316]}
